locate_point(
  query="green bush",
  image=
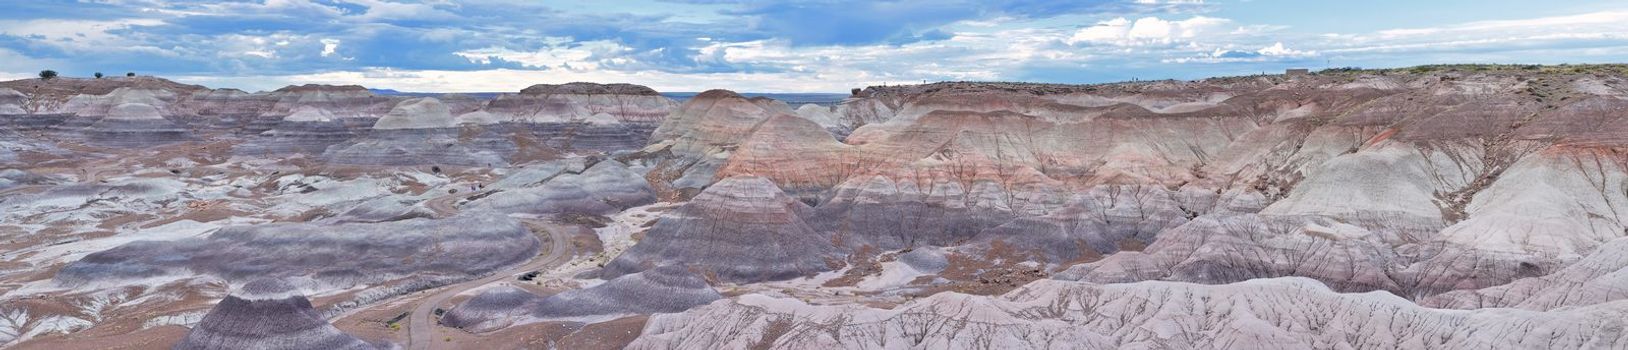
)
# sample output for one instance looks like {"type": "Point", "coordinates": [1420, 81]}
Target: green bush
{"type": "Point", "coordinates": [98, 75]}
{"type": "Point", "coordinates": [48, 74]}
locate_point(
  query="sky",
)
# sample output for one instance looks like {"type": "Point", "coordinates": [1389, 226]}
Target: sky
{"type": "Point", "coordinates": [780, 46]}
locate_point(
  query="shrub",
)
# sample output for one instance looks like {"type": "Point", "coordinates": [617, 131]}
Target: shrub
{"type": "Point", "coordinates": [130, 74]}
{"type": "Point", "coordinates": [48, 74]}
{"type": "Point", "coordinates": [98, 75]}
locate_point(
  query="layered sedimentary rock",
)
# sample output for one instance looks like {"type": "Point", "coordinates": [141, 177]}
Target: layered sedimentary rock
{"type": "Point", "coordinates": [1262, 314]}
{"type": "Point", "coordinates": [545, 103]}
{"type": "Point", "coordinates": [1408, 184]}
{"type": "Point", "coordinates": [335, 256]}
{"type": "Point", "coordinates": [347, 101]}
{"type": "Point", "coordinates": [415, 132]}
{"type": "Point", "coordinates": [123, 117]}
{"type": "Point", "coordinates": [308, 131]}
{"type": "Point", "coordinates": [135, 124]}
{"type": "Point", "coordinates": [666, 289]}
{"type": "Point", "coordinates": [880, 213]}
{"type": "Point", "coordinates": [704, 131]}
{"type": "Point", "coordinates": [11, 103]}
{"type": "Point", "coordinates": [587, 116]}
{"type": "Point", "coordinates": [606, 187]}
{"type": "Point", "coordinates": [1227, 212]}
{"type": "Point", "coordinates": [779, 148]}
{"type": "Point", "coordinates": [48, 95]}
{"type": "Point", "coordinates": [268, 314]}
{"type": "Point", "coordinates": [1593, 280]}
{"type": "Point", "coordinates": [714, 121]}
{"type": "Point", "coordinates": [741, 229]}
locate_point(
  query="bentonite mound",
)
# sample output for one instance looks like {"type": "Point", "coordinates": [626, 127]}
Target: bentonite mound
{"type": "Point", "coordinates": [268, 314]}
{"type": "Point", "coordinates": [420, 113]}
{"type": "Point", "coordinates": [742, 229]}
{"type": "Point", "coordinates": [491, 310]}
{"type": "Point", "coordinates": [604, 188]}
{"type": "Point", "coordinates": [416, 132]}
{"type": "Point", "coordinates": [11, 102]}
{"type": "Point", "coordinates": [883, 214]}
{"type": "Point", "coordinates": [135, 124]}
{"type": "Point", "coordinates": [581, 88]}
{"type": "Point", "coordinates": [715, 119]}
{"type": "Point", "coordinates": [635, 105]}
{"type": "Point", "coordinates": [345, 101]}
{"type": "Point", "coordinates": [665, 289]}
{"type": "Point", "coordinates": [387, 208]}
{"type": "Point", "coordinates": [926, 260]}
{"type": "Point", "coordinates": [309, 131]}
{"type": "Point", "coordinates": [339, 256]}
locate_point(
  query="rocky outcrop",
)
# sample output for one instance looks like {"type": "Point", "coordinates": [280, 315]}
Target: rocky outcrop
{"type": "Point", "coordinates": [742, 229]}
{"type": "Point", "coordinates": [268, 314]}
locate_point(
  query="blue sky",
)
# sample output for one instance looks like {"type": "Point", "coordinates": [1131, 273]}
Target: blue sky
{"type": "Point", "coordinates": [780, 46]}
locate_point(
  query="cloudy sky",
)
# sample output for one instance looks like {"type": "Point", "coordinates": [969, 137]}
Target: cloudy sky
{"type": "Point", "coordinates": [781, 46]}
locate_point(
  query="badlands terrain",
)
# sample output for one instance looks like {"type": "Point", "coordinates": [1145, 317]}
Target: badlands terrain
{"type": "Point", "coordinates": [1442, 207]}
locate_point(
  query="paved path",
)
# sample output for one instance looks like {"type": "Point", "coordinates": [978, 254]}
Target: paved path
{"type": "Point", "coordinates": [421, 327]}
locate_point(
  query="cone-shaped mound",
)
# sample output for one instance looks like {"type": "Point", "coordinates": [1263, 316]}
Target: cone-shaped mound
{"type": "Point", "coordinates": [268, 314]}
{"type": "Point", "coordinates": [419, 113]}
{"type": "Point", "coordinates": [135, 124]}
{"type": "Point", "coordinates": [742, 229]}
{"type": "Point", "coordinates": [309, 130]}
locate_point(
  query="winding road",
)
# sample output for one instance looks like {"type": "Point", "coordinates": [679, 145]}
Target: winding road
{"type": "Point", "coordinates": [421, 327]}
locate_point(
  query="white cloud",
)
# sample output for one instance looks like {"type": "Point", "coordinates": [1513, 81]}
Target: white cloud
{"type": "Point", "coordinates": [1278, 50]}
{"type": "Point", "coordinates": [1151, 30]}
{"type": "Point", "coordinates": [1275, 52]}
{"type": "Point", "coordinates": [75, 35]}
{"type": "Point", "coordinates": [561, 53]}
{"type": "Point", "coordinates": [329, 47]}
{"type": "Point", "coordinates": [508, 80]}
{"type": "Point", "coordinates": [401, 11]}
{"type": "Point", "coordinates": [1582, 31]}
